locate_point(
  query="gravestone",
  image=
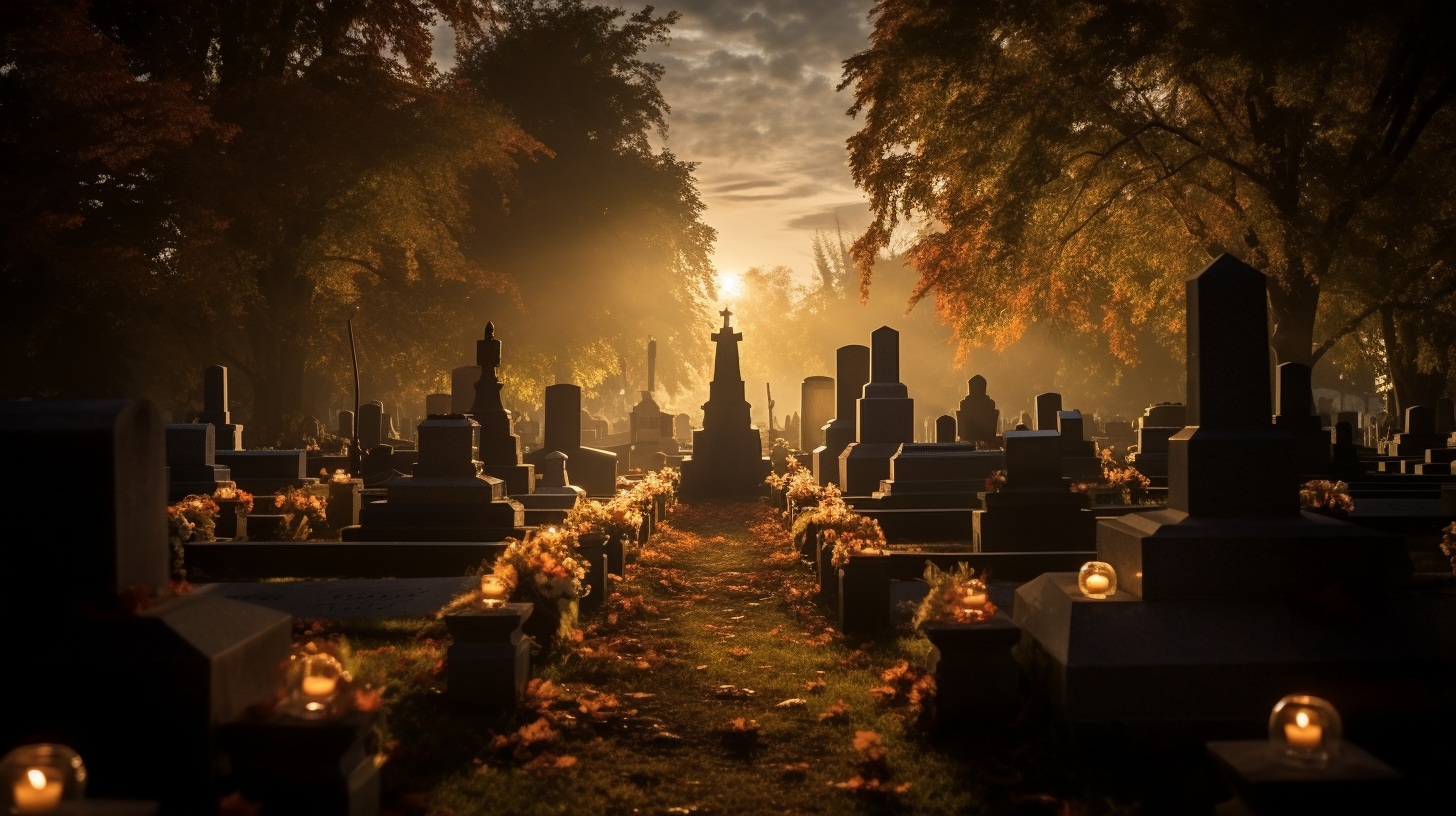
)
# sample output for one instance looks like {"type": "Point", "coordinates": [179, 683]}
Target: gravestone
{"type": "Point", "coordinates": [371, 425]}
{"type": "Point", "coordinates": [445, 499]}
{"type": "Point", "coordinates": [215, 409]}
{"type": "Point", "coordinates": [682, 428]}
{"type": "Point", "coordinates": [500, 449]}
{"type": "Point", "coordinates": [592, 469]}
{"type": "Point", "coordinates": [554, 495]}
{"type": "Point", "coordinates": [529, 430]}
{"type": "Point", "coordinates": [1345, 454]}
{"type": "Point", "coordinates": [436, 404]}
{"type": "Point", "coordinates": [462, 388]}
{"type": "Point", "coordinates": [650, 428]}
{"type": "Point", "coordinates": [346, 424]}
{"type": "Point", "coordinates": [792, 432]}
{"type": "Point", "coordinates": [816, 398]}
{"type": "Point", "coordinates": [1158, 424]}
{"type": "Point", "coordinates": [1048, 405]}
{"type": "Point", "coordinates": [264, 472]}
{"type": "Point", "coordinates": [192, 461]}
{"type": "Point", "coordinates": [1035, 511]}
{"type": "Point", "coordinates": [108, 666]}
{"type": "Point", "coordinates": [1024, 422]}
{"type": "Point", "coordinates": [852, 372]}
{"type": "Point", "coordinates": [1420, 433]}
{"type": "Point", "coordinates": [1293, 397]}
{"type": "Point", "coordinates": [727, 455]}
{"type": "Point", "coordinates": [1231, 565]}
{"type": "Point", "coordinates": [1445, 416]}
{"type": "Point", "coordinates": [885, 419]}
{"type": "Point", "coordinates": [945, 428]}
{"type": "Point", "coordinates": [1080, 460]}
{"type": "Point", "coordinates": [931, 490]}
{"type": "Point", "coordinates": [978, 420]}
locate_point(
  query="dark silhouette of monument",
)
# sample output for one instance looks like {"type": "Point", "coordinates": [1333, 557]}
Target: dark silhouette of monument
{"type": "Point", "coordinates": [727, 459]}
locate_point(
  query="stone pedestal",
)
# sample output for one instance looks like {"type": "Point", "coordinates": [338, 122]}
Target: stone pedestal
{"type": "Point", "coordinates": [191, 462]}
{"type": "Point", "coordinates": [864, 595]}
{"type": "Point", "coordinates": [1270, 784]}
{"type": "Point", "coordinates": [852, 372]}
{"type": "Point", "coordinates": [977, 681]}
{"type": "Point", "coordinates": [1156, 426]}
{"type": "Point", "coordinates": [488, 662]}
{"type": "Point", "coordinates": [885, 419]}
{"type": "Point", "coordinates": [294, 766]}
{"type": "Point", "coordinates": [345, 500]}
{"type": "Point", "coordinates": [932, 490]}
{"type": "Point", "coordinates": [727, 460]}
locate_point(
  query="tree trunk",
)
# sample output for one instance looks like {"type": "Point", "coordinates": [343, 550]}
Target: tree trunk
{"type": "Point", "coordinates": [1412, 385]}
{"type": "Point", "coordinates": [278, 330]}
{"type": "Point", "coordinates": [1293, 313]}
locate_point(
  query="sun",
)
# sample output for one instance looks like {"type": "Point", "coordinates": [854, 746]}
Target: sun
{"type": "Point", "coordinates": [729, 285]}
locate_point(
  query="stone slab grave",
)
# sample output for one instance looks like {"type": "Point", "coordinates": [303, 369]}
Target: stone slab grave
{"type": "Point", "coordinates": [931, 491]}
{"type": "Point", "coordinates": [498, 447]}
{"type": "Point", "coordinates": [229, 436]}
{"type": "Point", "coordinates": [256, 560]}
{"type": "Point", "coordinates": [1229, 599]}
{"type": "Point", "coordinates": [446, 499]}
{"type": "Point", "coordinates": [851, 373]}
{"type": "Point", "coordinates": [1035, 511]}
{"type": "Point", "coordinates": [265, 472]}
{"type": "Point", "coordinates": [727, 459]}
{"type": "Point", "coordinates": [885, 419]}
{"type": "Point", "coordinates": [192, 461]}
{"type": "Point", "coordinates": [397, 598]}
{"type": "Point", "coordinates": [112, 673]}
{"type": "Point", "coordinates": [592, 469]}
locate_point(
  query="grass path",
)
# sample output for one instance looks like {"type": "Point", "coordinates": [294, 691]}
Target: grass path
{"type": "Point", "coordinates": [711, 683]}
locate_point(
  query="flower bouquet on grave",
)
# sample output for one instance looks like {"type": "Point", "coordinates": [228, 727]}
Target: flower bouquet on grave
{"type": "Point", "coordinates": [827, 512]}
{"type": "Point", "coordinates": [996, 481]}
{"type": "Point", "coordinates": [1134, 485]}
{"type": "Point", "coordinates": [302, 512]}
{"type": "Point", "coordinates": [543, 570]}
{"type": "Point", "coordinates": [956, 596]}
{"type": "Point", "coordinates": [1324, 496]}
{"type": "Point", "coordinates": [193, 519]}
{"type": "Point", "coordinates": [858, 535]}
{"type": "Point", "coordinates": [1448, 543]}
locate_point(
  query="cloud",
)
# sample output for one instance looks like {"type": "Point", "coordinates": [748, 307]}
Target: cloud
{"type": "Point", "coordinates": [850, 216]}
{"type": "Point", "coordinates": [752, 85]}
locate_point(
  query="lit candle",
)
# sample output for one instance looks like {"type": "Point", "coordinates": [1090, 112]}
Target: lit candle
{"type": "Point", "coordinates": [1097, 583]}
{"type": "Point", "coordinates": [974, 599]}
{"type": "Point", "coordinates": [493, 591]}
{"type": "Point", "coordinates": [36, 792]}
{"type": "Point", "coordinates": [1303, 733]}
{"type": "Point", "coordinates": [317, 685]}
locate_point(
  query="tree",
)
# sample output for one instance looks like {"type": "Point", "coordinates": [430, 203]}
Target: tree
{"type": "Point", "coordinates": [1074, 163]}
{"type": "Point", "coordinates": [604, 236]}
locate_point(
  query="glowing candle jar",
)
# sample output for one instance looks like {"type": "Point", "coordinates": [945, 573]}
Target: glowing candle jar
{"type": "Point", "coordinates": [975, 596]}
{"type": "Point", "coordinates": [1097, 579]}
{"type": "Point", "coordinates": [38, 778]}
{"type": "Point", "coordinates": [493, 592]}
{"type": "Point", "coordinates": [1305, 728]}
{"type": "Point", "coordinates": [316, 682]}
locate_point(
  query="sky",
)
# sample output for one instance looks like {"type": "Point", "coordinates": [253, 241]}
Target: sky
{"type": "Point", "coordinates": [751, 87]}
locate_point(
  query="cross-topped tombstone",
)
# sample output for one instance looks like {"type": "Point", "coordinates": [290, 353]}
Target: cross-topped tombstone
{"type": "Point", "coordinates": [978, 420]}
{"type": "Point", "coordinates": [500, 449]}
{"type": "Point", "coordinates": [727, 455]}
{"type": "Point", "coordinates": [215, 408]}
{"type": "Point", "coordinates": [852, 371]}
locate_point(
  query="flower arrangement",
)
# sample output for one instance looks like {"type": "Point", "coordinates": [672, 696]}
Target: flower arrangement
{"type": "Point", "coordinates": [1134, 485]}
{"type": "Point", "coordinates": [956, 596]}
{"type": "Point", "coordinates": [301, 512]}
{"type": "Point", "coordinates": [1448, 543]}
{"type": "Point", "coordinates": [543, 569]}
{"type": "Point", "coordinates": [340, 477]}
{"type": "Point", "coordinates": [654, 485]}
{"type": "Point", "coordinates": [619, 517]}
{"type": "Point", "coordinates": [230, 492]}
{"type": "Point", "coordinates": [857, 535]}
{"type": "Point", "coordinates": [827, 513]}
{"type": "Point", "coordinates": [996, 481]}
{"type": "Point", "coordinates": [192, 519]}
{"type": "Point", "coordinates": [1324, 496]}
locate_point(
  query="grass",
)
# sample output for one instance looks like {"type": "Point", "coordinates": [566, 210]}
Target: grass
{"type": "Point", "coordinates": [714, 630]}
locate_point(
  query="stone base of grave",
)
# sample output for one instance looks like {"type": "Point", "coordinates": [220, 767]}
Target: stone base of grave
{"type": "Point", "coordinates": [1169, 555]}
{"type": "Point", "coordinates": [723, 465]}
{"type": "Point", "coordinates": [264, 472]}
{"type": "Point", "coordinates": [200, 480]}
{"type": "Point", "coordinates": [863, 465]}
{"type": "Point", "coordinates": [519, 479]}
{"type": "Point", "coordinates": [489, 661]}
{"type": "Point", "coordinates": [440, 509]}
{"type": "Point", "coordinates": [864, 595]}
{"type": "Point", "coordinates": [345, 501]}
{"type": "Point", "coordinates": [1407, 444]}
{"type": "Point", "coordinates": [255, 560]}
{"type": "Point", "coordinates": [1267, 782]}
{"type": "Point", "coordinates": [977, 681]}
{"type": "Point", "coordinates": [1154, 466]}
{"type": "Point", "coordinates": [1082, 468]}
{"type": "Point", "coordinates": [592, 550]}
{"type": "Point", "coordinates": [1034, 521]}
{"type": "Point", "coordinates": [593, 470]}
{"type": "Point", "coordinates": [945, 523]}
{"type": "Point", "coordinates": [289, 765]}
{"type": "Point", "coordinates": [545, 509]}
{"type": "Point", "coordinates": [1212, 669]}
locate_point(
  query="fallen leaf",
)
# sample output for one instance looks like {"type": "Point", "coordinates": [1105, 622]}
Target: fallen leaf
{"type": "Point", "coordinates": [792, 702]}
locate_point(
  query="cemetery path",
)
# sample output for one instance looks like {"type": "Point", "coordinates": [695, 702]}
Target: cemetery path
{"type": "Point", "coordinates": [710, 682]}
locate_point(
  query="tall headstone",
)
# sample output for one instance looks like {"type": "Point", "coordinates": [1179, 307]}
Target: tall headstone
{"type": "Point", "coordinates": [371, 425]}
{"type": "Point", "coordinates": [852, 372]}
{"type": "Point", "coordinates": [650, 428]}
{"type": "Point", "coordinates": [1293, 397]}
{"type": "Point", "coordinates": [462, 388]}
{"type": "Point", "coordinates": [945, 428]}
{"type": "Point", "coordinates": [500, 448]}
{"type": "Point", "coordinates": [192, 461]}
{"type": "Point", "coordinates": [978, 420]}
{"type": "Point", "coordinates": [215, 408]}
{"type": "Point", "coordinates": [886, 419]}
{"type": "Point", "coordinates": [1048, 405]}
{"type": "Point", "coordinates": [346, 424]}
{"type": "Point", "coordinates": [816, 399]}
{"type": "Point", "coordinates": [108, 669]}
{"type": "Point", "coordinates": [591, 469]}
{"type": "Point", "coordinates": [1420, 433]}
{"type": "Point", "coordinates": [727, 455]}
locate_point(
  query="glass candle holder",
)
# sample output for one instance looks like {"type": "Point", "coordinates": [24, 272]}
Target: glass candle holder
{"type": "Point", "coordinates": [974, 596]}
{"type": "Point", "coordinates": [340, 477]}
{"type": "Point", "coordinates": [226, 491]}
{"type": "Point", "coordinates": [316, 683]}
{"type": "Point", "coordinates": [38, 778]}
{"type": "Point", "coordinates": [1305, 728]}
{"type": "Point", "coordinates": [1097, 579]}
{"type": "Point", "coordinates": [493, 592]}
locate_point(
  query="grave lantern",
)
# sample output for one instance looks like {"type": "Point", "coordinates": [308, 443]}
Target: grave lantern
{"type": "Point", "coordinates": [38, 778]}
{"type": "Point", "coordinates": [493, 591]}
{"type": "Point", "coordinates": [1306, 728]}
{"type": "Point", "coordinates": [315, 682]}
{"type": "Point", "coordinates": [1097, 579]}
{"type": "Point", "coordinates": [974, 603]}
{"type": "Point", "coordinates": [340, 477]}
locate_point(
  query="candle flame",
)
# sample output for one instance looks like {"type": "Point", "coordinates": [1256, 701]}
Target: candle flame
{"type": "Point", "coordinates": [1301, 719]}
{"type": "Point", "coordinates": [36, 778]}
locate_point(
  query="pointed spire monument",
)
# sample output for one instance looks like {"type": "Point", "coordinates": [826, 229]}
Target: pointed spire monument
{"type": "Point", "coordinates": [727, 458]}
